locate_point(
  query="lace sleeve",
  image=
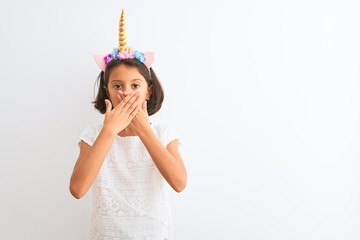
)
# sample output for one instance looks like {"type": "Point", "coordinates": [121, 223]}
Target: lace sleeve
{"type": "Point", "coordinates": [88, 135]}
{"type": "Point", "coordinates": [170, 135]}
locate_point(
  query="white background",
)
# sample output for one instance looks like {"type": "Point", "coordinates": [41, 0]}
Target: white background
{"type": "Point", "coordinates": [264, 94]}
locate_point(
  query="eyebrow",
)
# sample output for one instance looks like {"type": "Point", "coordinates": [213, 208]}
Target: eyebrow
{"type": "Point", "coordinates": [133, 80]}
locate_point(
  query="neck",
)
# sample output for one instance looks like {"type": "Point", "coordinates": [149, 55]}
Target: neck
{"type": "Point", "coordinates": [127, 132]}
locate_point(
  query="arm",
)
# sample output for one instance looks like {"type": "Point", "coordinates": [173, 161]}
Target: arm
{"type": "Point", "coordinates": [91, 159]}
{"type": "Point", "coordinates": [168, 160]}
{"type": "Point", "coordinates": [89, 163]}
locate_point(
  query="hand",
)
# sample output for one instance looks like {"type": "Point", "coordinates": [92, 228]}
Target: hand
{"type": "Point", "coordinates": [140, 123]}
{"type": "Point", "coordinates": [120, 117]}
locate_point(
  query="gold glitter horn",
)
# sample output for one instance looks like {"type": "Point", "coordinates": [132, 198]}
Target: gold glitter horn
{"type": "Point", "coordinates": [122, 34]}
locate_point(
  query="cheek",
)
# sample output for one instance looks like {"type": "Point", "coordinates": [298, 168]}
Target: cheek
{"type": "Point", "coordinates": [145, 95]}
{"type": "Point", "coordinates": [142, 93]}
{"type": "Point", "coordinates": [113, 98]}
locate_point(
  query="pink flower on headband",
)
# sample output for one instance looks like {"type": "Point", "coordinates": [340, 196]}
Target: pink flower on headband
{"type": "Point", "coordinates": [125, 55]}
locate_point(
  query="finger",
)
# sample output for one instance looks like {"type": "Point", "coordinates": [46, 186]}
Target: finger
{"type": "Point", "coordinates": [108, 105]}
{"type": "Point", "coordinates": [122, 95]}
{"type": "Point", "coordinates": [131, 103]}
{"type": "Point", "coordinates": [119, 97]}
{"type": "Point", "coordinates": [125, 100]}
{"type": "Point", "coordinates": [135, 112]}
{"type": "Point", "coordinates": [127, 97]}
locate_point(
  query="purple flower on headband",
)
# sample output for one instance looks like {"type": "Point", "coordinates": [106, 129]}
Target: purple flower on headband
{"type": "Point", "coordinates": [125, 55]}
{"type": "Point", "coordinates": [139, 56]}
{"type": "Point", "coordinates": [108, 58]}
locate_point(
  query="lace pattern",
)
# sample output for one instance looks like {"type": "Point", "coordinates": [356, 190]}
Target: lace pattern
{"type": "Point", "coordinates": [129, 194]}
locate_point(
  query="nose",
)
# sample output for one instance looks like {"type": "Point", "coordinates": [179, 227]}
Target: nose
{"type": "Point", "coordinates": [126, 90]}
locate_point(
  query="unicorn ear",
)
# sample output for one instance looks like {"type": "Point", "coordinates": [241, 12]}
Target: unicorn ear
{"type": "Point", "coordinates": [149, 59]}
{"type": "Point", "coordinates": [99, 59]}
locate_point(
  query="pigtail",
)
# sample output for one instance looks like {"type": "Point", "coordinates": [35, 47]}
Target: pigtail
{"type": "Point", "coordinates": [157, 96]}
{"type": "Point", "coordinates": [99, 102]}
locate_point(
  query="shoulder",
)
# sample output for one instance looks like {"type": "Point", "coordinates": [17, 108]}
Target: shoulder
{"type": "Point", "coordinates": [160, 128]}
{"type": "Point", "coordinates": [90, 133]}
{"type": "Point", "coordinates": [165, 132]}
{"type": "Point", "coordinates": [92, 128]}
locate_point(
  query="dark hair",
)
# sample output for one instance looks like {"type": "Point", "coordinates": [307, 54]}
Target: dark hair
{"type": "Point", "coordinates": [157, 95]}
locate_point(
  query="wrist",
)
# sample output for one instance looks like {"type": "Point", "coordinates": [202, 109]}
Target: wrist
{"type": "Point", "coordinates": [145, 131]}
{"type": "Point", "coordinates": [108, 131]}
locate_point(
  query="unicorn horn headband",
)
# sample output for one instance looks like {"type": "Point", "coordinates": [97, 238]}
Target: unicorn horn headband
{"type": "Point", "coordinates": [123, 51]}
{"type": "Point", "coordinates": [122, 34]}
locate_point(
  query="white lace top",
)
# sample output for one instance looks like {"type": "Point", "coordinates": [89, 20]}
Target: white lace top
{"type": "Point", "coordinates": [129, 194]}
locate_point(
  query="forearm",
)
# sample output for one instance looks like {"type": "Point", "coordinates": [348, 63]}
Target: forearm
{"type": "Point", "coordinates": [171, 168]}
{"type": "Point", "coordinates": [87, 169]}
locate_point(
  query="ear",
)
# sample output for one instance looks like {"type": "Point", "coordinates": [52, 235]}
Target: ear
{"type": "Point", "coordinates": [149, 93]}
{"type": "Point", "coordinates": [149, 59]}
{"type": "Point", "coordinates": [107, 91]}
{"type": "Point", "coordinates": [99, 59]}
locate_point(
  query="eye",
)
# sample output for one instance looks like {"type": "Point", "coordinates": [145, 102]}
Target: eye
{"type": "Point", "coordinates": [117, 86]}
{"type": "Point", "coordinates": [136, 86]}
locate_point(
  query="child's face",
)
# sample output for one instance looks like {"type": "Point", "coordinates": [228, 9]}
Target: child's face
{"type": "Point", "coordinates": [123, 80]}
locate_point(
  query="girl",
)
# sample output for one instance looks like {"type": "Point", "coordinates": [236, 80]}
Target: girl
{"type": "Point", "coordinates": [127, 160]}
